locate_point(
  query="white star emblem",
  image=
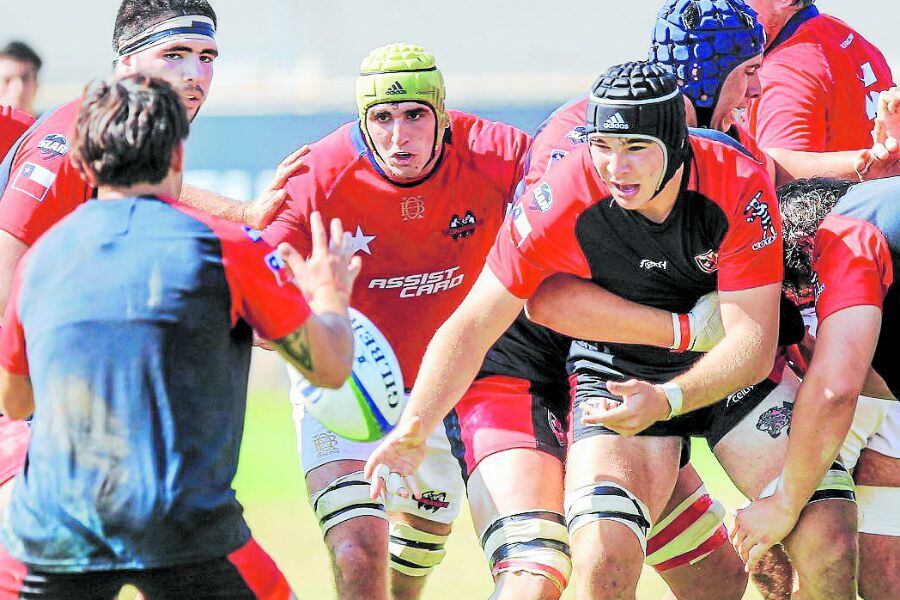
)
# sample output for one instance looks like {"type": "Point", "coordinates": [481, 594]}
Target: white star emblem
{"type": "Point", "coordinates": [361, 241]}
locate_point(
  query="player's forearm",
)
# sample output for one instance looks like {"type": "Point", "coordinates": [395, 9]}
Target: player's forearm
{"type": "Point", "coordinates": [448, 368]}
{"type": "Point", "coordinates": [214, 204]}
{"type": "Point", "coordinates": [11, 251]}
{"type": "Point", "coordinates": [822, 417]}
{"type": "Point", "coordinates": [581, 309]}
{"type": "Point", "coordinates": [743, 358]}
{"type": "Point", "coordinates": [793, 164]}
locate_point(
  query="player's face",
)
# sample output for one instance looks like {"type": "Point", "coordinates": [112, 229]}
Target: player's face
{"type": "Point", "coordinates": [403, 134]}
{"type": "Point", "coordinates": [741, 86]}
{"type": "Point", "coordinates": [186, 64]}
{"type": "Point", "coordinates": [630, 167]}
{"type": "Point", "coordinates": [18, 84]}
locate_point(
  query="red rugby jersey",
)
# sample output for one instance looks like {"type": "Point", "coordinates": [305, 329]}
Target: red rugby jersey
{"type": "Point", "coordinates": [13, 124]}
{"type": "Point", "coordinates": [567, 223]}
{"type": "Point", "coordinates": [39, 185]}
{"type": "Point", "coordinates": [423, 245]}
{"type": "Point", "coordinates": [820, 85]}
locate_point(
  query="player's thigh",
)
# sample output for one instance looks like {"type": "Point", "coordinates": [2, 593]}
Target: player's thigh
{"type": "Point", "coordinates": [514, 481]}
{"type": "Point", "coordinates": [647, 466]}
{"type": "Point", "coordinates": [878, 494]}
{"type": "Point", "coordinates": [752, 451]}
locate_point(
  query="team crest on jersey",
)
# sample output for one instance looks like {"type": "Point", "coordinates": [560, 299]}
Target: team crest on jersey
{"type": "Point", "coordinates": [557, 428]}
{"type": "Point", "coordinates": [412, 207]}
{"type": "Point", "coordinates": [543, 198]}
{"type": "Point", "coordinates": [817, 286]}
{"type": "Point", "coordinates": [464, 226]}
{"type": "Point", "coordinates": [759, 211]}
{"type": "Point", "coordinates": [577, 135]}
{"type": "Point", "coordinates": [708, 261]}
{"type": "Point", "coordinates": [53, 145]}
{"type": "Point", "coordinates": [279, 268]}
{"type": "Point", "coordinates": [776, 419]}
{"type": "Point", "coordinates": [433, 501]}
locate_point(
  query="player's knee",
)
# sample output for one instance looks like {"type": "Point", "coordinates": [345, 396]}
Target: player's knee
{"type": "Point", "coordinates": [688, 534]}
{"type": "Point", "coordinates": [415, 552]}
{"type": "Point", "coordinates": [608, 501]}
{"type": "Point", "coordinates": [534, 543]}
{"type": "Point", "coordinates": [355, 551]}
{"type": "Point", "coordinates": [344, 499]}
{"type": "Point", "coordinates": [603, 555]}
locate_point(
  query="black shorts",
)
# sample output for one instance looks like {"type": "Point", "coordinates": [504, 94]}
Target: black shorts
{"type": "Point", "coordinates": [712, 422]}
{"type": "Point", "coordinates": [247, 573]}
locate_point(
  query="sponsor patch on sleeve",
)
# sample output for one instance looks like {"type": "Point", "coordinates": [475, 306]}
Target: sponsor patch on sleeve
{"type": "Point", "coordinates": [34, 180]}
{"type": "Point", "coordinates": [522, 228]}
{"type": "Point", "coordinates": [279, 268]}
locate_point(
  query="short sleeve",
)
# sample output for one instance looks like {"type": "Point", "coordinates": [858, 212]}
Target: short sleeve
{"type": "Point", "coordinates": [13, 123]}
{"type": "Point", "coordinates": [537, 239]}
{"type": "Point", "coordinates": [791, 111]}
{"type": "Point", "coordinates": [12, 337]}
{"type": "Point", "coordinates": [852, 264]}
{"type": "Point", "coordinates": [42, 186]}
{"type": "Point", "coordinates": [263, 291]}
{"type": "Point", "coordinates": [750, 254]}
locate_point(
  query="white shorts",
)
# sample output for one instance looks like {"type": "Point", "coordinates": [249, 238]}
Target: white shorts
{"type": "Point", "coordinates": [439, 477]}
{"type": "Point", "coordinates": [876, 424]}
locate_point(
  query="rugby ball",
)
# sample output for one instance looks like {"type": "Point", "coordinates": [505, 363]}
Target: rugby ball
{"type": "Point", "coordinates": [369, 403]}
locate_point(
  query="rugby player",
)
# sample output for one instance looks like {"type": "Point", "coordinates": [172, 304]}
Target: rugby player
{"type": "Point", "coordinates": [19, 68]}
{"type": "Point", "coordinates": [841, 245]}
{"type": "Point", "coordinates": [170, 38]}
{"type": "Point", "coordinates": [820, 84]}
{"type": "Point", "coordinates": [121, 486]}
{"type": "Point", "coordinates": [423, 191]}
{"type": "Point", "coordinates": [641, 177]}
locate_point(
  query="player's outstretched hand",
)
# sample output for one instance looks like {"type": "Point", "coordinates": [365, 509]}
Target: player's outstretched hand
{"type": "Point", "coordinates": [331, 264]}
{"type": "Point", "coordinates": [760, 526]}
{"type": "Point", "coordinates": [883, 158]}
{"type": "Point", "coordinates": [643, 404]}
{"type": "Point", "coordinates": [259, 213]}
{"type": "Point", "coordinates": [392, 466]}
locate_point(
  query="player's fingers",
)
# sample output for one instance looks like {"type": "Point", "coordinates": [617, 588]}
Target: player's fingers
{"type": "Point", "coordinates": [377, 474]}
{"type": "Point", "coordinates": [623, 388]}
{"type": "Point", "coordinates": [288, 167]}
{"type": "Point", "coordinates": [353, 271]}
{"type": "Point", "coordinates": [413, 486]}
{"type": "Point", "coordinates": [293, 258]}
{"type": "Point", "coordinates": [755, 554]}
{"type": "Point", "coordinates": [338, 241]}
{"type": "Point", "coordinates": [317, 233]}
{"type": "Point", "coordinates": [594, 414]}
{"type": "Point", "coordinates": [879, 151]}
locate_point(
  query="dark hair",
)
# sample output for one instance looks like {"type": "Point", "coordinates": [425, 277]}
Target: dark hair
{"type": "Point", "coordinates": [22, 52]}
{"type": "Point", "coordinates": [803, 3]}
{"type": "Point", "coordinates": [135, 16]}
{"type": "Point", "coordinates": [804, 205]}
{"type": "Point", "coordinates": [127, 129]}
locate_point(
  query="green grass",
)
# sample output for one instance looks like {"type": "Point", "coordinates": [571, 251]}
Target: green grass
{"type": "Point", "coordinates": [270, 486]}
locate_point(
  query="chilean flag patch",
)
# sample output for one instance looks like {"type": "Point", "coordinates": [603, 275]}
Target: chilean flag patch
{"type": "Point", "coordinates": [34, 180]}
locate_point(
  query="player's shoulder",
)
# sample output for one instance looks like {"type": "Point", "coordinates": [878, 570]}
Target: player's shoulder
{"type": "Point", "coordinates": [227, 232]}
{"type": "Point", "coordinates": [13, 117]}
{"type": "Point", "coordinates": [570, 186]}
{"type": "Point", "coordinates": [52, 133]}
{"type": "Point", "coordinates": [476, 136]}
{"type": "Point", "coordinates": [564, 122]}
{"type": "Point", "coordinates": [330, 157]}
{"type": "Point", "coordinates": [716, 151]}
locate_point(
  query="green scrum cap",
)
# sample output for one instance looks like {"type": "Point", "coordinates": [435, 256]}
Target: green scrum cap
{"type": "Point", "coordinates": [400, 73]}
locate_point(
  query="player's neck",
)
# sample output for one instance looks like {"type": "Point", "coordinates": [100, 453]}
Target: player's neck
{"type": "Point", "coordinates": [168, 188]}
{"type": "Point", "coordinates": [660, 207]}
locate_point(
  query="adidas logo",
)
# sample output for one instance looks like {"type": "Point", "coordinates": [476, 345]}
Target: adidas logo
{"type": "Point", "coordinates": [395, 89]}
{"type": "Point", "coordinates": [614, 122]}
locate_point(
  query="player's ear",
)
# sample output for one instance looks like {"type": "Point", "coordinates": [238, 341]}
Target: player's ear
{"type": "Point", "coordinates": [177, 164]}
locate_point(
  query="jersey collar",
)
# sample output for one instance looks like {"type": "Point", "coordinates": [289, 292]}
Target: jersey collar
{"type": "Point", "coordinates": [791, 27]}
{"type": "Point", "coordinates": [359, 144]}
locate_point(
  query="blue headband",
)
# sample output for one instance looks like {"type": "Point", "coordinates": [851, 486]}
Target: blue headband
{"type": "Point", "coordinates": [191, 27]}
{"type": "Point", "coordinates": [702, 41]}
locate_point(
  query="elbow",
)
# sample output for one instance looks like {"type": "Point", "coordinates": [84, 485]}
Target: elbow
{"type": "Point", "coordinates": [541, 311]}
{"type": "Point", "coordinates": [763, 365]}
{"type": "Point", "coordinates": [840, 394]}
{"type": "Point", "coordinates": [330, 379]}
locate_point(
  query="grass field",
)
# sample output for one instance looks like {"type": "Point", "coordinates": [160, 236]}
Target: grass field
{"type": "Point", "coordinates": [270, 486]}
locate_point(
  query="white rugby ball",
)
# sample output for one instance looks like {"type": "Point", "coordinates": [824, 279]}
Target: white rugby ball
{"type": "Point", "coordinates": [369, 403]}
